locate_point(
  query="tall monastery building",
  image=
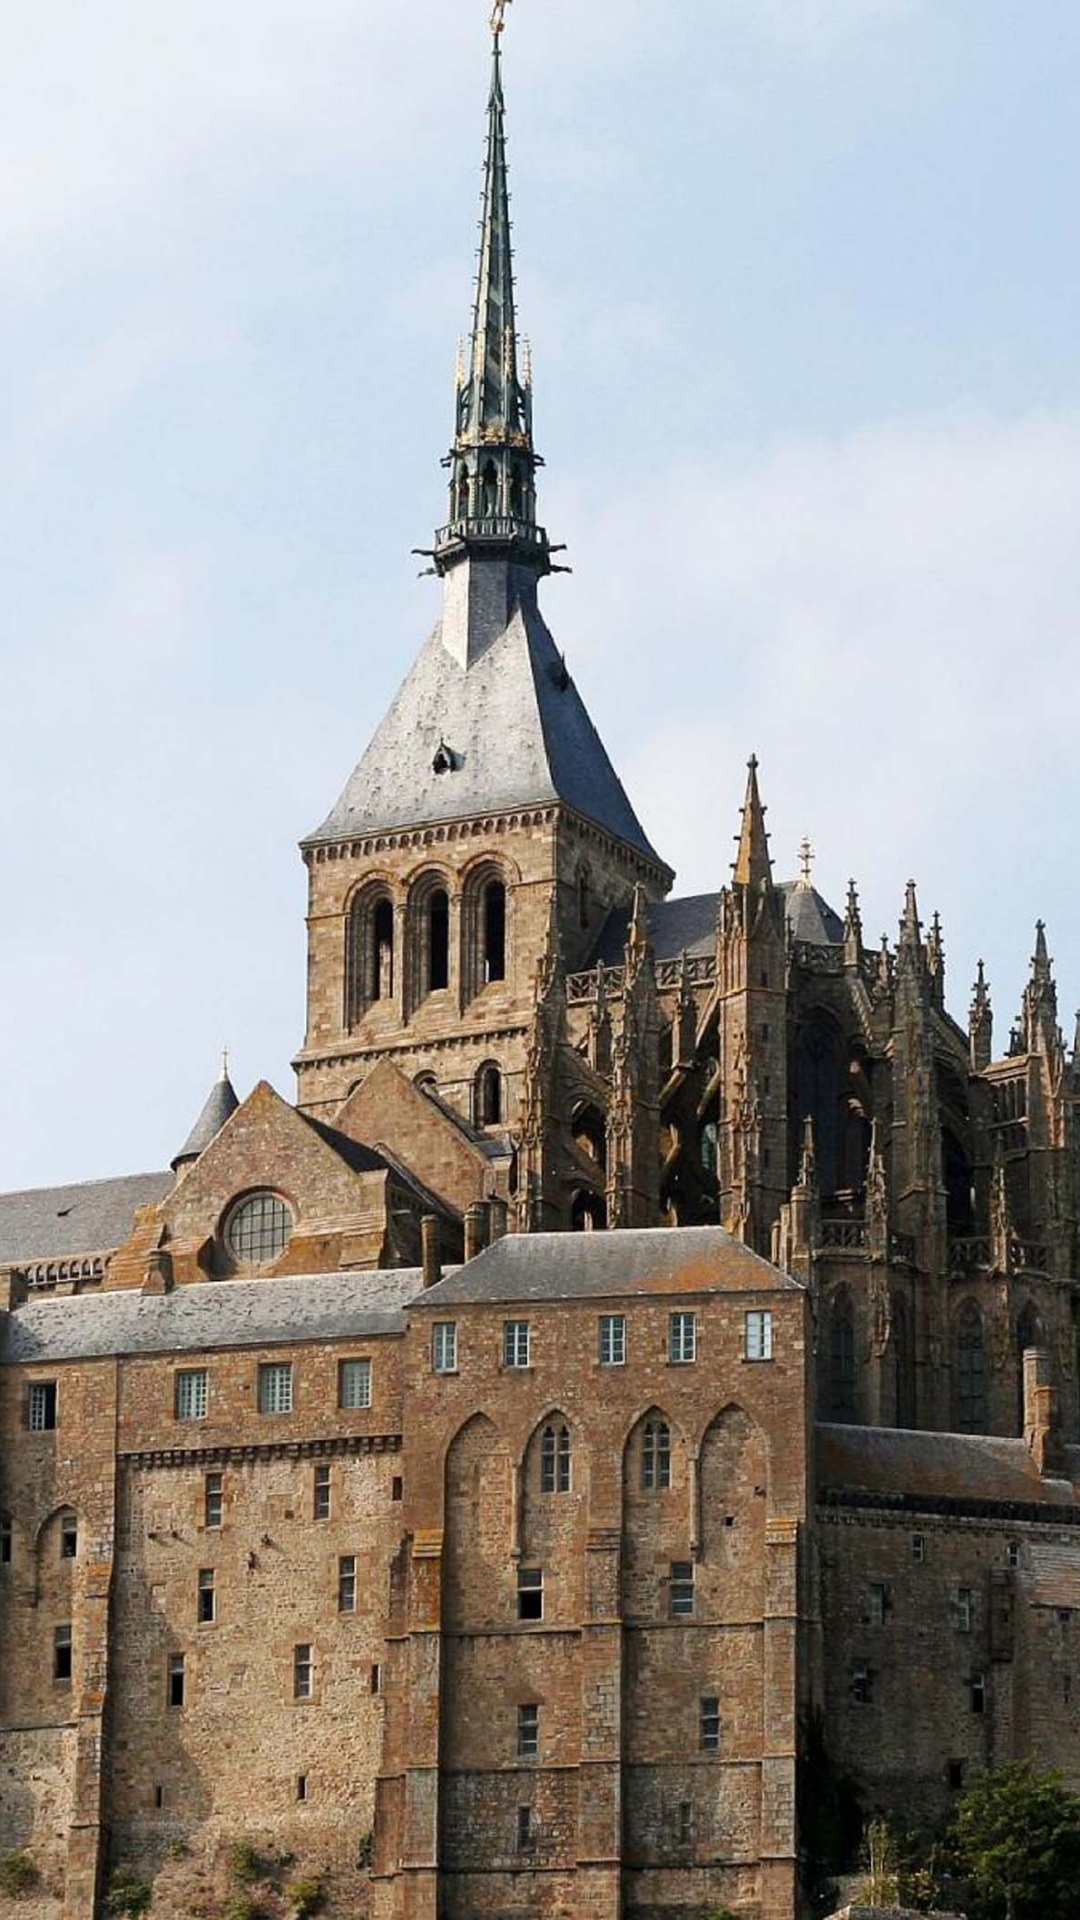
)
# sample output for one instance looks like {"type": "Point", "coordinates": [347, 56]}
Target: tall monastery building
{"type": "Point", "coordinates": [624, 1411]}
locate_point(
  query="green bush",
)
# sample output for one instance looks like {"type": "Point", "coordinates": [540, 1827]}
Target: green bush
{"type": "Point", "coordinates": [244, 1906]}
{"type": "Point", "coordinates": [246, 1863]}
{"type": "Point", "coordinates": [305, 1897]}
{"type": "Point", "coordinates": [17, 1873]}
{"type": "Point", "coordinates": [127, 1896]}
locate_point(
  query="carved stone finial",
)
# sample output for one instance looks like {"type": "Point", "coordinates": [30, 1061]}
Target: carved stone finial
{"type": "Point", "coordinates": [498, 17]}
{"type": "Point", "coordinates": [806, 860]}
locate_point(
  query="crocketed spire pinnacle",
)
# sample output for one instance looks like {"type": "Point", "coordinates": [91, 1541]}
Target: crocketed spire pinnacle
{"type": "Point", "coordinates": [492, 461]}
{"type": "Point", "coordinates": [753, 867]}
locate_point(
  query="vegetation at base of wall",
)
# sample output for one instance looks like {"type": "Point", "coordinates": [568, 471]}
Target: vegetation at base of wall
{"type": "Point", "coordinates": [246, 1864]}
{"type": "Point", "coordinates": [127, 1896]}
{"type": "Point", "coordinates": [305, 1897]}
{"type": "Point", "coordinates": [245, 1906]}
{"type": "Point", "coordinates": [365, 1849]}
{"type": "Point", "coordinates": [18, 1874]}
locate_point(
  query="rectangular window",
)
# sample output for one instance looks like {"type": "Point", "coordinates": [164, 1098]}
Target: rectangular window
{"type": "Point", "coordinates": [862, 1686]}
{"type": "Point", "coordinates": [41, 1407]}
{"type": "Point", "coordinates": [555, 1458]}
{"type": "Point", "coordinates": [397, 1487]}
{"type": "Point", "coordinates": [62, 1653]}
{"type": "Point", "coordinates": [918, 1548]}
{"type": "Point", "coordinates": [1013, 1554]}
{"type": "Point", "coordinates": [69, 1537]}
{"type": "Point", "coordinates": [301, 1786]}
{"type": "Point", "coordinates": [655, 1456]}
{"type": "Point", "coordinates": [176, 1680]}
{"type": "Point", "coordinates": [515, 1343]}
{"type": "Point", "coordinates": [346, 1583]}
{"type": "Point", "coordinates": [682, 1338]}
{"type": "Point", "coordinates": [977, 1686]}
{"type": "Point", "coordinates": [376, 1677]}
{"type": "Point", "coordinates": [354, 1383]}
{"type": "Point", "coordinates": [709, 1723]}
{"type": "Point", "coordinates": [321, 1501]}
{"type": "Point", "coordinates": [6, 1538]}
{"type": "Point", "coordinates": [964, 1610]}
{"type": "Point", "coordinates": [686, 1823]}
{"type": "Point", "coordinates": [530, 1592]}
{"type": "Point", "coordinates": [303, 1669]}
{"type": "Point", "coordinates": [192, 1394]}
{"type": "Point", "coordinates": [275, 1387]}
{"type": "Point", "coordinates": [207, 1597]}
{"type": "Point", "coordinates": [759, 1336]}
{"type": "Point", "coordinates": [875, 1605]}
{"type": "Point", "coordinates": [528, 1732]}
{"type": "Point", "coordinates": [613, 1340]}
{"type": "Point", "coordinates": [954, 1773]}
{"type": "Point", "coordinates": [213, 1499]}
{"type": "Point", "coordinates": [524, 1828]}
{"type": "Point", "coordinates": [444, 1346]}
{"type": "Point", "coordinates": [681, 1589]}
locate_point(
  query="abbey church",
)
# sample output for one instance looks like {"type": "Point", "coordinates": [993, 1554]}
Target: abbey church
{"type": "Point", "coordinates": [634, 1390]}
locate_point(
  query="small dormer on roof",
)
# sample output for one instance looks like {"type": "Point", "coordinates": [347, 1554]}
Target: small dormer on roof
{"type": "Point", "coordinates": [220, 1102]}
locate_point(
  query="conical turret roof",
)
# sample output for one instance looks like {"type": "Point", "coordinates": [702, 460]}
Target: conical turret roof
{"type": "Point", "coordinates": [220, 1102]}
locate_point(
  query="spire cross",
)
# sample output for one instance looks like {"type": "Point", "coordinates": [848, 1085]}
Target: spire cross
{"type": "Point", "coordinates": [806, 859]}
{"type": "Point", "coordinates": [498, 17]}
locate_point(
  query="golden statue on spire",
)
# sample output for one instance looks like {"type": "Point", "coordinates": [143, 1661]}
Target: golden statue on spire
{"type": "Point", "coordinates": [498, 17]}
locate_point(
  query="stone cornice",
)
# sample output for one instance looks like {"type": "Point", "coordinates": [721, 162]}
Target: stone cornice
{"type": "Point", "coordinates": [235, 1453]}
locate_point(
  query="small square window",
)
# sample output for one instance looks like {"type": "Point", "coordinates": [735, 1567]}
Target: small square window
{"type": "Point", "coordinates": [681, 1589]}
{"type": "Point", "coordinates": [528, 1731]}
{"type": "Point", "coordinates": [276, 1387]}
{"type": "Point", "coordinates": [918, 1548]}
{"type": "Point", "coordinates": [303, 1672]}
{"type": "Point", "coordinates": [515, 1343]}
{"type": "Point", "coordinates": [62, 1653]}
{"type": "Point", "coordinates": [346, 1583]}
{"type": "Point", "coordinates": [862, 1686]}
{"type": "Point", "coordinates": [176, 1680]}
{"type": "Point", "coordinates": [525, 1832]}
{"type": "Point", "coordinates": [682, 1338]}
{"type": "Point", "coordinates": [321, 1498]}
{"type": "Point", "coordinates": [709, 1723]}
{"type": "Point", "coordinates": [612, 1327]}
{"type": "Point", "coordinates": [977, 1690]}
{"type": "Point", "coordinates": [207, 1597]}
{"type": "Point", "coordinates": [7, 1537]}
{"type": "Point", "coordinates": [964, 1610]}
{"type": "Point", "coordinates": [213, 1499]}
{"type": "Point", "coordinates": [1012, 1554]}
{"type": "Point", "coordinates": [354, 1383]}
{"type": "Point", "coordinates": [530, 1593]}
{"type": "Point", "coordinates": [759, 1336]}
{"type": "Point", "coordinates": [875, 1604]}
{"type": "Point", "coordinates": [69, 1537]}
{"type": "Point", "coordinates": [41, 1406]}
{"type": "Point", "coordinates": [192, 1394]}
{"type": "Point", "coordinates": [444, 1346]}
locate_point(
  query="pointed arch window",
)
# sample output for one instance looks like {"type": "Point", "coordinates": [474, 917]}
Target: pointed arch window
{"type": "Point", "coordinates": [842, 1357]}
{"type": "Point", "coordinates": [462, 503]}
{"type": "Point", "coordinates": [555, 1458]}
{"type": "Point", "coordinates": [588, 1213]}
{"type": "Point", "coordinates": [489, 491]}
{"type": "Point", "coordinates": [970, 1370]}
{"type": "Point", "coordinates": [655, 1456]}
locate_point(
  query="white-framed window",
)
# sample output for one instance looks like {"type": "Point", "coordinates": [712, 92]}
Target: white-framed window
{"type": "Point", "coordinates": [555, 1458]}
{"type": "Point", "coordinates": [759, 1335]}
{"type": "Point", "coordinates": [515, 1343]}
{"type": "Point", "coordinates": [612, 1335]}
{"type": "Point", "coordinates": [655, 1456]}
{"type": "Point", "coordinates": [320, 1506]}
{"type": "Point", "coordinates": [213, 1499]}
{"type": "Point", "coordinates": [346, 1587]}
{"type": "Point", "coordinates": [207, 1604]}
{"type": "Point", "coordinates": [964, 1610]}
{"type": "Point", "coordinates": [444, 1346]}
{"type": "Point", "coordinates": [709, 1723]}
{"type": "Point", "coordinates": [875, 1604]}
{"type": "Point", "coordinates": [528, 1731]}
{"type": "Point", "coordinates": [530, 1593]}
{"type": "Point", "coordinates": [276, 1387]}
{"type": "Point", "coordinates": [681, 1589]}
{"type": "Point", "coordinates": [41, 1406]}
{"type": "Point", "coordinates": [176, 1680]}
{"type": "Point", "coordinates": [303, 1671]}
{"type": "Point", "coordinates": [69, 1535]}
{"type": "Point", "coordinates": [682, 1338]}
{"type": "Point", "coordinates": [354, 1383]}
{"type": "Point", "coordinates": [918, 1548]}
{"type": "Point", "coordinates": [192, 1393]}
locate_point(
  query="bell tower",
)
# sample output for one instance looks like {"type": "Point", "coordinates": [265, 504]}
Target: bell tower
{"type": "Point", "coordinates": [484, 826]}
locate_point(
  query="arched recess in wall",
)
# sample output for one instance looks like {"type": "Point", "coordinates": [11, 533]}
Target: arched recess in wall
{"type": "Point", "coordinates": [588, 1212]}
{"type": "Point", "coordinates": [478, 1532]}
{"type": "Point", "coordinates": [840, 1358]}
{"type": "Point", "coordinates": [590, 1134]}
{"type": "Point", "coordinates": [832, 1088]}
{"type": "Point", "coordinates": [1030, 1332]}
{"type": "Point", "coordinates": [489, 1104]}
{"type": "Point", "coordinates": [956, 1169]}
{"type": "Point", "coordinates": [428, 922]}
{"type": "Point", "coordinates": [485, 927]}
{"type": "Point", "coordinates": [969, 1369]}
{"type": "Point", "coordinates": [370, 960]}
{"type": "Point", "coordinates": [902, 1354]}
{"type": "Point", "coordinates": [656, 1491]}
{"type": "Point", "coordinates": [554, 1501]}
{"type": "Point", "coordinates": [733, 1483]}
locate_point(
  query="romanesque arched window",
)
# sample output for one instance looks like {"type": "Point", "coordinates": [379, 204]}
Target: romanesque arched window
{"type": "Point", "coordinates": [555, 1458]}
{"type": "Point", "coordinates": [485, 928]}
{"type": "Point", "coordinates": [369, 951]}
{"type": "Point", "coordinates": [970, 1364]}
{"type": "Point", "coordinates": [840, 1395]}
{"type": "Point", "coordinates": [493, 930]}
{"type": "Point", "coordinates": [488, 1096]}
{"type": "Point", "coordinates": [438, 940]}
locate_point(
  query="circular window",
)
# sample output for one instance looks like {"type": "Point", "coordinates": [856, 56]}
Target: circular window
{"type": "Point", "coordinates": [258, 1228]}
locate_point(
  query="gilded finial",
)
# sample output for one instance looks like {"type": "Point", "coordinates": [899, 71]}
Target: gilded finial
{"type": "Point", "coordinates": [498, 17]}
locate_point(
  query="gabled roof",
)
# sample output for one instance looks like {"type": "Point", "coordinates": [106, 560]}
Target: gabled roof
{"type": "Point", "coordinates": [933, 1466]}
{"type": "Point", "coordinates": [568, 1266]}
{"type": "Point", "coordinates": [92, 1216]}
{"type": "Point", "coordinates": [518, 736]}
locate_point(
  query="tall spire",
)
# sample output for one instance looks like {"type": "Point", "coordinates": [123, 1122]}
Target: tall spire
{"type": "Point", "coordinates": [752, 864]}
{"type": "Point", "coordinates": [493, 461]}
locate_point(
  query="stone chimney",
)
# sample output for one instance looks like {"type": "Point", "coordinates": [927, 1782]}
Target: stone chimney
{"type": "Point", "coordinates": [429, 1241]}
{"type": "Point", "coordinates": [1042, 1422]}
{"type": "Point", "coordinates": [476, 1226]}
{"type": "Point", "coordinates": [13, 1290]}
{"type": "Point", "coordinates": [497, 1219]}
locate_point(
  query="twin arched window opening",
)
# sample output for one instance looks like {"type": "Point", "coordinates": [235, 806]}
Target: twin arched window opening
{"type": "Point", "coordinates": [555, 1458]}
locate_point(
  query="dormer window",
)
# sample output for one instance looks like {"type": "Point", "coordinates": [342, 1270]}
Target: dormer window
{"type": "Point", "coordinates": [444, 761]}
{"type": "Point", "coordinates": [258, 1228]}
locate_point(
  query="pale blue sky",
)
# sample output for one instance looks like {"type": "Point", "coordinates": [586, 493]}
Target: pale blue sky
{"type": "Point", "coordinates": [801, 278]}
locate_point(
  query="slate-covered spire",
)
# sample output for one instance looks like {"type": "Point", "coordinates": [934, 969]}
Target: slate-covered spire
{"type": "Point", "coordinates": [493, 461]}
{"type": "Point", "coordinates": [220, 1102]}
{"type": "Point", "coordinates": [753, 868]}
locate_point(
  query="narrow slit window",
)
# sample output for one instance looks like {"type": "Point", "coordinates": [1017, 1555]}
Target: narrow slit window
{"type": "Point", "coordinates": [213, 1499]}
{"type": "Point", "coordinates": [382, 951]}
{"type": "Point", "coordinates": [346, 1592]}
{"type": "Point", "coordinates": [69, 1537]}
{"type": "Point", "coordinates": [681, 1589]}
{"type": "Point", "coordinates": [177, 1680]}
{"type": "Point", "coordinates": [303, 1672]}
{"type": "Point", "coordinates": [528, 1741]}
{"type": "Point", "coordinates": [709, 1723]}
{"type": "Point", "coordinates": [321, 1499]}
{"type": "Point", "coordinates": [207, 1597]}
{"type": "Point", "coordinates": [62, 1653]}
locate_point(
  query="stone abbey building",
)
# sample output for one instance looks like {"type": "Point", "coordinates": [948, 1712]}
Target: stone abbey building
{"type": "Point", "coordinates": [645, 1356]}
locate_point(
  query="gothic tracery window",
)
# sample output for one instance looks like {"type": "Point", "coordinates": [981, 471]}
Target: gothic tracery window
{"type": "Point", "coordinates": [841, 1395]}
{"type": "Point", "coordinates": [970, 1370]}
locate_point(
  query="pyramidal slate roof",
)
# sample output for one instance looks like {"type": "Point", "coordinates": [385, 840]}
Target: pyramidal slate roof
{"type": "Point", "coordinates": [516, 732]}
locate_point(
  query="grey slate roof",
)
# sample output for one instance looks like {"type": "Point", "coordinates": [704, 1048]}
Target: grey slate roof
{"type": "Point", "coordinates": [228, 1313]}
{"type": "Point", "coordinates": [952, 1466]}
{"type": "Point", "coordinates": [220, 1102]}
{"type": "Point", "coordinates": [94, 1216]}
{"type": "Point", "coordinates": [689, 925]}
{"type": "Point", "coordinates": [518, 731]}
{"type": "Point", "coordinates": [568, 1266]}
